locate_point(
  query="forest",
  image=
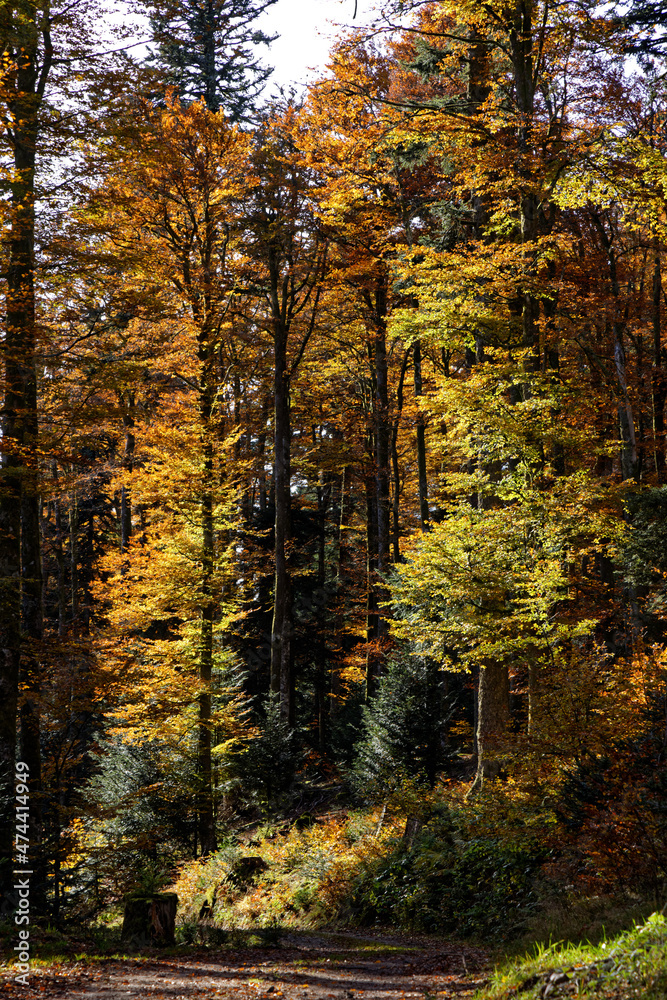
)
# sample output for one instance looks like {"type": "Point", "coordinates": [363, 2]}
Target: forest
{"type": "Point", "coordinates": [333, 495]}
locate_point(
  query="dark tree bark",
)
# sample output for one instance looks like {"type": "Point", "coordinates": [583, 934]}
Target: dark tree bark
{"type": "Point", "coordinates": [150, 920]}
{"type": "Point", "coordinates": [421, 439]}
{"type": "Point", "coordinates": [659, 383]}
{"type": "Point", "coordinates": [205, 793]}
{"type": "Point", "coordinates": [25, 63]}
{"type": "Point", "coordinates": [394, 459]}
{"type": "Point", "coordinates": [382, 430]}
{"type": "Point", "coordinates": [378, 506]}
{"type": "Point", "coordinates": [128, 463]}
{"type": "Point", "coordinates": [282, 679]}
{"type": "Point", "coordinates": [292, 257]}
{"type": "Point", "coordinates": [373, 658]}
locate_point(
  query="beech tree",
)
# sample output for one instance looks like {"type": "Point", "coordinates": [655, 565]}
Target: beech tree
{"type": "Point", "coordinates": [175, 207]}
{"type": "Point", "coordinates": [287, 258]}
{"type": "Point", "coordinates": [385, 368]}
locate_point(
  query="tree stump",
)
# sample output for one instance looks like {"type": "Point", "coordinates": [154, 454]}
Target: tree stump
{"type": "Point", "coordinates": [149, 919]}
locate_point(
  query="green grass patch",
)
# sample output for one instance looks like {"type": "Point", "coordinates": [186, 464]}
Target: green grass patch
{"type": "Point", "coordinates": [631, 965]}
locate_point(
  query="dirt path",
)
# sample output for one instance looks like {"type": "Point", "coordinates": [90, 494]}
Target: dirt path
{"type": "Point", "coordinates": [307, 967]}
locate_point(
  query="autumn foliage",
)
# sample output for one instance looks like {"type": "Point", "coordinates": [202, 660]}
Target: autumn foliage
{"type": "Point", "coordinates": [334, 473]}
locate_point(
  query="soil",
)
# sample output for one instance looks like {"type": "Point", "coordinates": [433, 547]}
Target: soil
{"type": "Point", "coordinates": [326, 966]}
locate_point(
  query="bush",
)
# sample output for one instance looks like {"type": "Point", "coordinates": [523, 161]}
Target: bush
{"type": "Point", "coordinates": [479, 888]}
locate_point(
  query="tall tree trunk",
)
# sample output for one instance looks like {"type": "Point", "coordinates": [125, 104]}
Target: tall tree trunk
{"type": "Point", "coordinates": [31, 670]}
{"type": "Point", "coordinates": [282, 679]}
{"type": "Point", "coordinates": [10, 635]}
{"type": "Point", "coordinates": [378, 505]}
{"type": "Point", "coordinates": [394, 459]}
{"type": "Point", "coordinates": [205, 808]}
{"type": "Point", "coordinates": [382, 432]}
{"type": "Point", "coordinates": [59, 550]}
{"type": "Point", "coordinates": [128, 463]}
{"type": "Point", "coordinates": [492, 719]}
{"type": "Point", "coordinates": [372, 625]}
{"type": "Point", "coordinates": [319, 604]}
{"type": "Point", "coordinates": [210, 78]}
{"type": "Point", "coordinates": [22, 83]}
{"type": "Point", "coordinates": [659, 386]}
{"type": "Point", "coordinates": [421, 439]}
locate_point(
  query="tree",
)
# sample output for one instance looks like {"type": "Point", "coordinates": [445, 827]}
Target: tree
{"type": "Point", "coordinates": [403, 731]}
{"type": "Point", "coordinates": [39, 46]}
{"type": "Point", "coordinates": [206, 48]}
{"type": "Point", "coordinates": [287, 260]}
{"type": "Point", "coordinates": [367, 205]}
{"type": "Point", "coordinates": [173, 203]}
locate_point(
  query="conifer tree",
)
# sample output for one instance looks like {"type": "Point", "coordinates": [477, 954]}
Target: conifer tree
{"type": "Point", "coordinates": [205, 48]}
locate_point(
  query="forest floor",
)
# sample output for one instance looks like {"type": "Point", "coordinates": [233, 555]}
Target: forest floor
{"type": "Point", "coordinates": [317, 966]}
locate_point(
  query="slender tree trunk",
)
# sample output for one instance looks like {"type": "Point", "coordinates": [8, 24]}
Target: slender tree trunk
{"type": "Point", "coordinates": [22, 88]}
{"type": "Point", "coordinates": [378, 507]}
{"type": "Point", "coordinates": [205, 809]}
{"type": "Point", "coordinates": [394, 459]}
{"type": "Point", "coordinates": [10, 641]}
{"type": "Point", "coordinates": [207, 838]}
{"type": "Point", "coordinates": [421, 439]}
{"type": "Point", "coordinates": [382, 432]}
{"type": "Point", "coordinates": [74, 555]}
{"type": "Point", "coordinates": [125, 495]}
{"type": "Point", "coordinates": [210, 81]}
{"type": "Point", "coordinates": [261, 452]}
{"type": "Point", "coordinates": [626, 420]}
{"type": "Point", "coordinates": [396, 481]}
{"type": "Point", "coordinates": [31, 671]}
{"type": "Point", "coordinates": [60, 560]}
{"type": "Point", "coordinates": [372, 629]}
{"type": "Point", "coordinates": [282, 679]}
{"type": "Point", "coordinates": [659, 386]}
{"type": "Point", "coordinates": [319, 606]}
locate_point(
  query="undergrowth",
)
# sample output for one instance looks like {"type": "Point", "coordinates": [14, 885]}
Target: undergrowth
{"type": "Point", "coordinates": [634, 964]}
{"type": "Point", "coordinates": [353, 869]}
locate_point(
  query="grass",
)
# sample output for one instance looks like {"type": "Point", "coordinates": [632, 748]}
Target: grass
{"type": "Point", "coordinates": [633, 964]}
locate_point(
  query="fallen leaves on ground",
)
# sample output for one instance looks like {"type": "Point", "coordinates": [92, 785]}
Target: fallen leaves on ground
{"type": "Point", "coordinates": [307, 967]}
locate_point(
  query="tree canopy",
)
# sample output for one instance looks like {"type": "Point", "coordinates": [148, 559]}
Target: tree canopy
{"type": "Point", "coordinates": [333, 441]}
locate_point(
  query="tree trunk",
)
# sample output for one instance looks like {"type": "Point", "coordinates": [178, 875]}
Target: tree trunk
{"type": "Point", "coordinates": [207, 837]}
{"type": "Point", "coordinates": [421, 439]}
{"type": "Point", "coordinates": [31, 670]}
{"type": "Point", "coordinates": [382, 432]}
{"type": "Point", "coordinates": [150, 920]}
{"type": "Point", "coordinates": [372, 630]}
{"type": "Point", "coordinates": [282, 680]}
{"type": "Point", "coordinates": [23, 82]}
{"type": "Point", "coordinates": [659, 388]}
{"type": "Point", "coordinates": [394, 459]}
{"type": "Point", "coordinates": [492, 719]}
{"type": "Point", "coordinates": [125, 495]}
{"type": "Point", "coordinates": [205, 806]}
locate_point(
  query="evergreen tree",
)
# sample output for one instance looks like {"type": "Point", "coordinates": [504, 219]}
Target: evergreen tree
{"type": "Point", "coordinates": [404, 726]}
{"type": "Point", "coordinates": [205, 48]}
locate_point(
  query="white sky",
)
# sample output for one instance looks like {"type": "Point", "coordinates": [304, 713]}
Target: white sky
{"type": "Point", "coordinates": [305, 35]}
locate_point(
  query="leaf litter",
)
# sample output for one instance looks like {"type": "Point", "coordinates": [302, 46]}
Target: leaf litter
{"type": "Point", "coordinates": [305, 967]}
